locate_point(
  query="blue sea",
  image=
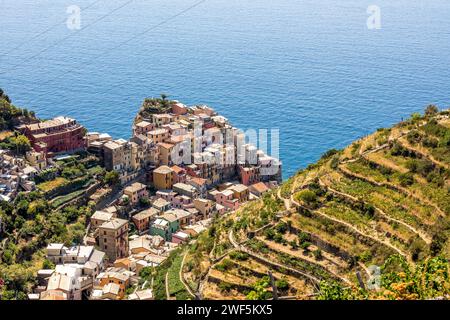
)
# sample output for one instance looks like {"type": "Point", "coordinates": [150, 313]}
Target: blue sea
{"type": "Point", "coordinates": [311, 68]}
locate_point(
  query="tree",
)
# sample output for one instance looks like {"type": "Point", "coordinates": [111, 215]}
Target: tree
{"type": "Point", "coordinates": [144, 201]}
{"type": "Point", "coordinates": [307, 196]}
{"type": "Point", "coordinates": [406, 179]}
{"type": "Point", "coordinates": [317, 254]}
{"type": "Point", "coordinates": [431, 110]}
{"type": "Point", "coordinates": [416, 117]}
{"type": "Point", "coordinates": [146, 272]}
{"type": "Point", "coordinates": [20, 144]}
{"type": "Point", "coordinates": [112, 178]}
{"type": "Point", "coordinates": [47, 264]}
{"type": "Point", "coordinates": [282, 284]}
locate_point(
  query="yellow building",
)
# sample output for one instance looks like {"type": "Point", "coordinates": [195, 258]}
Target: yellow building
{"type": "Point", "coordinates": [240, 192]}
{"type": "Point", "coordinates": [204, 206]}
{"type": "Point", "coordinates": [163, 178]}
{"type": "Point", "coordinates": [165, 153]}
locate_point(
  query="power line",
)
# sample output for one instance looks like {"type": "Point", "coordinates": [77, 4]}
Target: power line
{"type": "Point", "coordinates": [105, 52]}
{"type": "Point", "coordinates": [67, 37]}
{"type": "Point", "coordinates": [46, 30]}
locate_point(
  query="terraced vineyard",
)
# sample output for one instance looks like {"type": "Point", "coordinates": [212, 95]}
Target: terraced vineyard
{"type": "Point", "coordinates": [383, 200]}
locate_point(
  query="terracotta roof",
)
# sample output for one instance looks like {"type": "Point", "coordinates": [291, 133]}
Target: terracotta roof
{"type": "Point", "coordinates": [260, 187]}
{"type": "Point", "coordinates": [146, 214]}
{"type": "Point", "coordinates": [238, 187]}
{"type": "Point", "coordinates": [165, 145]}
{"type": "Point", "coordinates": [53, 295]}
{"type": "Point", "coordinates": [199, 181]}
{"type": "Point", "coordinates": [114, 224]}
{"type": "Point", "coordinates": [177, 169]}
{"type": "Point", "coordinates": [135, 187]}
{"type": "Point", "coordinates": [163, 170]}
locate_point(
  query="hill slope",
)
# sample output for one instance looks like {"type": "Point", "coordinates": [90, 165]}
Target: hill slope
{"type": "Point", "coordinates": [382, 201]}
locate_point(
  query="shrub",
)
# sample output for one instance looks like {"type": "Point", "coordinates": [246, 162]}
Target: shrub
{"type": "Point", "coordinates": [224, 286]}
{"type": "Point", "coordinates": [269, 234]}
{"type": "Point", "coordinates": [47, 264]}
{"type": "Point", "coordinates": [317, 254]}
{"type": "Point", "coordinates": [431, 110]}
{"type": "Point", "coordinates": [225, 265]}
{"type": "Point", "coordinates": [281, 227]}
{"type": "Point", "coordinates": [278, 238]}
{"type": "Point", "coordinates": [414, 136]}
{"type": "Point", "coordinates": [282, 284]}
{"type": "Point", "coordinates": [329, 153]}
{"type": "Point", "coordinates": [303, 237]}
{"type": "Point", "coordinates": [307, 196]}
{"type": "Point", "coordinates": [293, 244]}
{"type": "Point", "coordinates": [406, 179]}
{"type": "Point", "coordinates": [430, 142]}
{"type": "Point", "coordinates": [305, 245]}
{"type": "Point", "coordinates": [238, 255]}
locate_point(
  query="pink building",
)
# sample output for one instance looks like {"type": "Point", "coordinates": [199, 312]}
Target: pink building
{"type": "Point", "coordinates": [179, 174]}
{"type": "Point", "coordinates": [249, 175]}
{"type": "Point", "coordinates": [176, 200]}
{"type": "Point", "coordinates": [180, 237]}
{"type": "Point", "coordinates": [179, 108]}
{"type": "Point", "coordinates": [226, 199]}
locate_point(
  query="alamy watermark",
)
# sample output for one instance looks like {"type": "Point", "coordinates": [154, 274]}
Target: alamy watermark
{"type": "Point", "coordinates": [374, 281]}
{"type": "Point", "coordinates": [374, 19]}
{"type": "Point", "coordinates": [229, 147]}
{"type": "Point", "coordinates": [73, 21]}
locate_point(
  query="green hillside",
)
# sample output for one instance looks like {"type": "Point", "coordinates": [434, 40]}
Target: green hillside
{"type": "Point", "coordinates": [383, 201]}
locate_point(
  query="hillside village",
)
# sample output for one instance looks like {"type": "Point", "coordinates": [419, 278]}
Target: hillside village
{"type": "Point", "coordinates": [186, 209]}
{"type": "Point", "coordinates": [129, 205]}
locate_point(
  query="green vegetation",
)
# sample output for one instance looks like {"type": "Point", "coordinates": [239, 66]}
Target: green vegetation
{"type": "Point", "coordinates": [10, 115]}
{"type": "Point", "coordinates": [112, 178]}
{"type": "Point", "coordinates": [260, 290]}
{"type": "Point", "coordinates": [429, 279]}
{"type": "Point", "coordinates": [29, 225]}
{"type": "Point", "coordinates": [17, 143]}
{"type": "Point", "coordinates": [155, 105]}
{"type": "Point", "coordinates": [171, 266]}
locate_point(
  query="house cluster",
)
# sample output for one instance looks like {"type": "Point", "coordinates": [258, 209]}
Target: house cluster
{"type": "Point", "coordinates": [187, 144]}
{"type": "Point", "coordinates": [178, 171]}
{"type": "Point", "coordinates": [17, 173]}
{"type": "Point", "coordinates": [48, 139]}
{"type": "Point", "coordinates": [83, 272]}
{"type": "Point", "coordinates": [107, 267]}
{"type": "Point", "coordinates": [73, 277]}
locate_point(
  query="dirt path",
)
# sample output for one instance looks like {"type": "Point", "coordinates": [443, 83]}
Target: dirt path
{"type": "Point", "coordinates": [365, 153]}
{"type": "Point", "coordinates": [167, 287]}
{"type": "Point", "coordinates": [188, 288]}
{"type": "Point", "coordinates": [287, 202]}
{"type": "Point", "coordinates": [428, 156]}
